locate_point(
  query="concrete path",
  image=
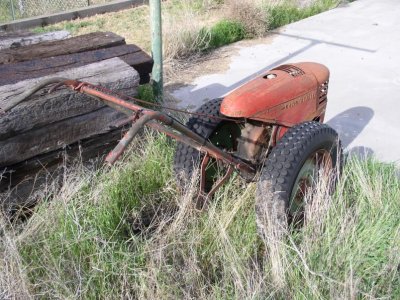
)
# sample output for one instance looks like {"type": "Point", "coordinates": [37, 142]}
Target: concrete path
{"type": "Point", "coordinates": [360, 43]}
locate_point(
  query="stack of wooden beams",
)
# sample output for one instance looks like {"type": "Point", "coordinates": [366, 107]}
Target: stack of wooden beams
{"type": "Point", "coordinates": [36, 135]}
{"type": "Point", "coordinates": [26, 38]}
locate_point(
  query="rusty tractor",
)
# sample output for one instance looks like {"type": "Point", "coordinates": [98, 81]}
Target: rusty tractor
{"type": "Point", "coordinates": [270, 129]}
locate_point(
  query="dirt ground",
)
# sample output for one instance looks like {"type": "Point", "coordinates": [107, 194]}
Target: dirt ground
{"type": "Point", "coordinates": [183, 73]}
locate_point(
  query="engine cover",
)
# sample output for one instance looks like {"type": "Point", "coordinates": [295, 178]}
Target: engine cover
{"type": "Point", "coordinates": [286, 95]}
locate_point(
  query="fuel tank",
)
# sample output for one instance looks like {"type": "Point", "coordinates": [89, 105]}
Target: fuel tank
{"type": "Point", "coordinates": [286, 95]}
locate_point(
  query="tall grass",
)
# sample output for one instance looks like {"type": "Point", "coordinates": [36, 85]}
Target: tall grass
{"type": "Point", "coordinates": [127, 232]}
{"type": "Point", "coordinates": [286, 12]}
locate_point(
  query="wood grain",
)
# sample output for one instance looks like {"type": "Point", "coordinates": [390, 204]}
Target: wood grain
{"type": "Point", "coordinates": [42, 108]}
{"type": "Point", "coordinates": [7, 41]}
{"type": "Point", "coordinates": [57, 135]}
{"type": "Point", "coordinates": [77, 44]}
{"type": "Point", "coordinates": [25, 182]}
{"type": "Point", "coordinates": [131, 54]}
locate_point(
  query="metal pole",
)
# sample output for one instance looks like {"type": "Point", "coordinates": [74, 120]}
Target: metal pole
{"type": "Point", "coordinates": [156, 48]}
{"type": "Point", "coordinates": [12, 9]}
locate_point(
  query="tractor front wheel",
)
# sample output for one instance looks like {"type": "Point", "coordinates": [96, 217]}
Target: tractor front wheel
{"type": "Point", "coordinates": [300, 158]}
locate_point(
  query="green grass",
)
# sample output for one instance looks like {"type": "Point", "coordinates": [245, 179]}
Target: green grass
{"type": "Point", "coordinates": [224, 32]}
{"type": "Point", "coordinates": [94, 233]}
{"type": "Point", "coordinates": [288, 12]}
{"type": "Point", "coordinates": [128, 232]}
{"type": "Point", "coordinates": [146, 93]}
{"type": "Point", "coordinates": [72, 27]}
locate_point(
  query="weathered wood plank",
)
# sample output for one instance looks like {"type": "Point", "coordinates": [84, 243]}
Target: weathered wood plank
{"type": "Point", "coordinates": [131, 54]}
{"type": "Point", "coordinates": [57, 135]}
{"type": "Point", "coordinates": [41, 66]}
{"type": "Point", "coordinates": [142, 63]}
{"type": "Point", "coordinates": [24, 40]}
{"type": "Point", "coordinates": [23, 182]}
{"type": "Point", "coordinates": [43, 108]}
{"type": "Point", "coordinates": [87, 42]}
{"type": "Point", "coordinates": [4, 35]}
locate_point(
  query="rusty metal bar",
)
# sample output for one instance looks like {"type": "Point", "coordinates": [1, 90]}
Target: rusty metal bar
{"type": "Point", "coordinates": [203, 196]}
{"type": "Point", "coordinates": [221, 181]}
{"type": "Point", "coordinates": [203, 166]}
{"type": "Point", "coordinates": [206, 146]}
{"type": "Point", "coordinates": [113, 156]}
{"type": "Point", "coordinates": [144, 117]}
{"type": "Point", "coordinates": [177, 136]}
{"type": "Point", "coordinates": [163, 129]}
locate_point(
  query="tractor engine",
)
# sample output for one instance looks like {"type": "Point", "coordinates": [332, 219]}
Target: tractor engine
{"type": "Point", "coordinates": [285, 96]}
{"type": "Point", "coordinates": [275, 101]}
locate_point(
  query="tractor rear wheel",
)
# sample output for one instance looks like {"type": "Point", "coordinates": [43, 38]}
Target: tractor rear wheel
{"type": "Point", "coordinates": [295, 164]}
{"type": "Point", "coordinates": [221, 133]}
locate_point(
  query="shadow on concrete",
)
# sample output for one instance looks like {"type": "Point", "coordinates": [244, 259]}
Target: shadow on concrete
{"type": "Point", "coordinates": [349, 124]}
{"type": "Point", "coordinates": [217, 90]}
{"type": "Point", "coordinates": [360, 152]}
{"type": "Point", "coordinates": [315, 41]}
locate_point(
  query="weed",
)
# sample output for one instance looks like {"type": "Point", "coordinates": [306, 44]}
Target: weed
{"type": "Point", "coordinates": [146, 93]}
{"type": "Point", "coordinates": [251, 14]}
{"type": "Point", "coordinates": [287, 12]}
{"type": "Point", "coordinates": [223, 33]}
{"type": "Point", "coordinates": [90, 228]}
{"type": "Point", "coordinates": [82, 244]}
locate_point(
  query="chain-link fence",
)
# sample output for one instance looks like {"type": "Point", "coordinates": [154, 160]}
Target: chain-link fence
{"type": "Point", "coordinates": [18, 9]}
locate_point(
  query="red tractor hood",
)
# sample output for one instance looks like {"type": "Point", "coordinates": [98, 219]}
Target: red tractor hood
{"type": "Point", "coordinates": [286, 95]}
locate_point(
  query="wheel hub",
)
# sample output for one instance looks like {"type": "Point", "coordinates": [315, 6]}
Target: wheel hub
{"type": "Point", "coordinates": [318, 164]}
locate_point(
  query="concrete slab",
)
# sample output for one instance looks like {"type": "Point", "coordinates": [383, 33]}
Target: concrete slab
{"type": "Point", "coordinates": [360, 44]}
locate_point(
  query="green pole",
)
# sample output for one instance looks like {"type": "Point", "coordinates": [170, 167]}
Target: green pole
{"type": "Point", "coordinates": [12, 9]}
{"type": "Point", "coordinates": [156, 48]}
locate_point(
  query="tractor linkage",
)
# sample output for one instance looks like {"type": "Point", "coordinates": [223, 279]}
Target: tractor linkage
{"type": "Point", "coordinates": [139, 117]}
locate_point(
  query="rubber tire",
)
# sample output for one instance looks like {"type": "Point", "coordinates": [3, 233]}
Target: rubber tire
{"type": "Point", "coordinates": [281, 168]}
{"type": "Point", "coordinates": [186, 158]}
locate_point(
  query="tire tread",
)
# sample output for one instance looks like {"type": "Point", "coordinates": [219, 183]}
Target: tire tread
{"type": "Point", "coordinates": [282, 166]}
{"type": "Point", "coordinates": [187, 158]}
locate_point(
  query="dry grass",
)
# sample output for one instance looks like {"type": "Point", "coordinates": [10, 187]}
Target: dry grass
{"type": "Point", "coordinates": [132, 24]}
{"type": "Point", "coordinates": [129, 233]}
{"type": "Point", "coordinates": [191, 27]}
{"type": "Point", "coordinates": [13, 280]}
{"type": "Point", "coordinates": [181, 38]}
{"type": "Point", "coordinates": [251, 13]}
